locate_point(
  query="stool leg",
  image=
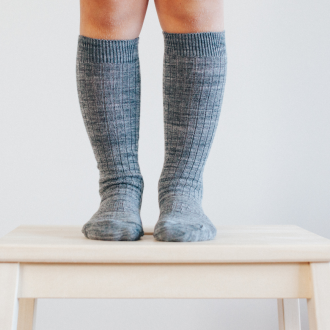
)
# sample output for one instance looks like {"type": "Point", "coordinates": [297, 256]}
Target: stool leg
{"type": "Point", "coordinates": [319, 304]}
{"type": "Point", "coordinates": [288, 314]}
{"type": "Point", "coordinates": [9, 279]}
{"type": "Point", "coordinates": [27, 314]}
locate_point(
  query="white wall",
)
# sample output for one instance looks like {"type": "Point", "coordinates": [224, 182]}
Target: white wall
{"type": "Point", "coordinates": [269, 163]}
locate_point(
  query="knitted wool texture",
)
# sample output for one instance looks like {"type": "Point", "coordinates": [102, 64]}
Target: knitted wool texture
{"type": "Point", "coordinates": [108, 82]}
{"type": "Point", "coordinates": [194, 75]}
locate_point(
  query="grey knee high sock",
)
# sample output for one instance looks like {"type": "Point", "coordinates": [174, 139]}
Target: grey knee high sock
{"type": "Point", "coordinates": [108, 81]}
{"type": "Point", "coordinates": [193, 86]}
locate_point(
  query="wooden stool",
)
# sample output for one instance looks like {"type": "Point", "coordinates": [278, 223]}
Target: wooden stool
{"type": "Point", "coordinates": [283, 262]}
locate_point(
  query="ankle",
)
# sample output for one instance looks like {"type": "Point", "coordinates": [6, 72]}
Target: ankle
{"type": "Point", "coordinates": [182, 204]}
{"type": "Point", "coordinates": [126, 195]}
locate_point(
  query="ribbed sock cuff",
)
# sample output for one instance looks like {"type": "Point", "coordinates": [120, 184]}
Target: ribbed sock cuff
{"type": "Point", "coordinates": [194, 44]}
{"type": "Point", "coordinates": [107, 51]}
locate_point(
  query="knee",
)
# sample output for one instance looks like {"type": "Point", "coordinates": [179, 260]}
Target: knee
{"type": "Point", "coordinates": [112, 18]}
{"type": "Point", "coordinates": [190, 15]}
{"type": "Point", "coordinates": [106, 14]}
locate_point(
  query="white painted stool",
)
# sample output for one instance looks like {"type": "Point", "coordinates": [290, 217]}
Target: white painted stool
{"type": "Point", "coordinates": [283, 262]}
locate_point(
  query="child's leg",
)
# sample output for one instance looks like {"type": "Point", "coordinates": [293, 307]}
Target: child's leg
{"type": "Point", "coordinates": [194, 80]}
{"type": "Point", "coordinates": [108, 81]}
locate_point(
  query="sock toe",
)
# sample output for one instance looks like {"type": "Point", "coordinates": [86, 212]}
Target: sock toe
{"type": "Point", "coordinates": [178, 228]}
{"type": "Point", "coordinates": [109, 229]}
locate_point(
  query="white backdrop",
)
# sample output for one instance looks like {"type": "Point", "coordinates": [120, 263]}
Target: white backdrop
{"type": "Point", "coordinates": [269, 163]}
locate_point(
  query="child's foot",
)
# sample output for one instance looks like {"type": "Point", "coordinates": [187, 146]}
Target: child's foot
{"type": "Point", "coordinates": [118, 221]}
{"type": "Point", "coordinates": [183, 221]}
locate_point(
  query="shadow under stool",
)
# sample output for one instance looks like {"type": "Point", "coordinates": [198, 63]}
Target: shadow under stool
{"type": "Point", "coordinates": [283, 262]}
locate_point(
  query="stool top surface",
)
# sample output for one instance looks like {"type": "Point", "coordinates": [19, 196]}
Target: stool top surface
{"type": "Point", "coordinates": [233, 244]}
